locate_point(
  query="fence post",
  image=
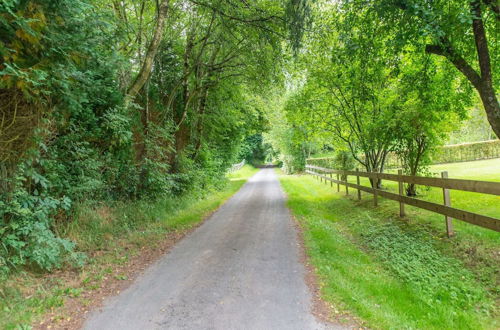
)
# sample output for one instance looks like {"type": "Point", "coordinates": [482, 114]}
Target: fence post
{"type": "Point", "coordinates": [401, 204]}
{"type": "Point", "coordinates": [357, 181]}
{"type": "Point", "coordinates": [346, 186]}
{"type": "Point", "coordinates": [447, 202]}
{"type": "Point", "coordinates": [338, 184]}
{"type": "Point", "coordinates": [375, 194]}
{"type": "Point", "coordinates": [331, 182]}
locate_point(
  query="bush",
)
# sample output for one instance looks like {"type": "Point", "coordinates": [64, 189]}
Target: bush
{"type": "Point", "coordinates": [292, 163]}
{"type": "Point", "coordinates": [26, 220]}
{"type": "Point", "coordinates": [343, 160]}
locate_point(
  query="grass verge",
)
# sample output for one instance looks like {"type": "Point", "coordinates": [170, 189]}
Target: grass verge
{"type": "Point", "coordinates": [120, 241]}
{"type": "Point", "coordinates": [394, 273]}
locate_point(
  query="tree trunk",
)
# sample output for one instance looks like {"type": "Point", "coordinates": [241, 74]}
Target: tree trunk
{"type": "Point", "coordinates": [491, 106]}
{"type": "Point", "coordinates": [199, 125]}
{"type": "Point", "coordinates": [483, 81]}
{"type": "Point", "coordinates": [485, 88]}
{"type": "Point", "coordinates": [147, 65]}
{"type": "Point", "coordinates": [411, 190]}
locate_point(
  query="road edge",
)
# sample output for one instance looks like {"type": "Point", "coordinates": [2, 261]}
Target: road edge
{"type": "Point", "coordinates": [323, 311]}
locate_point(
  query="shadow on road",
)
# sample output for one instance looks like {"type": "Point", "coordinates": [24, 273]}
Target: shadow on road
{"type": "Point", "coordinates": [267, 166]}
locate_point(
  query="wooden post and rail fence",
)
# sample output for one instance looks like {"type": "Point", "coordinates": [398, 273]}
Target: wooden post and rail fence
{"type": "Point", "coordinates": [445, 183]}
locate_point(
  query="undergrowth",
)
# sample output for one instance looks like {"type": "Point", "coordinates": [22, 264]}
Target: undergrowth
{"type": "Point", "coordinates": [411, 255]}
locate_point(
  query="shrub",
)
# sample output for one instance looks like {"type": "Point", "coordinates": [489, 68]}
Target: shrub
{"type": "Point", "coordinates": [344, 161]}
{"type": "Point", "coordinates": [26, 219]}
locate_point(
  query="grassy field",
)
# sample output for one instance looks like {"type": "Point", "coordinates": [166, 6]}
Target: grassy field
{"type": "Point", "coordinates": [402, 273]}
{"type": "Point", "coordinates": [111, 235]}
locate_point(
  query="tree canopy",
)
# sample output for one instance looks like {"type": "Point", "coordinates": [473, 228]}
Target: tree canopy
{"type": "Point", "coordinates": [104, 100]}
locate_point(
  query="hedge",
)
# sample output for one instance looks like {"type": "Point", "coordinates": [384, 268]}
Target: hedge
{"type": "Point", "coordinates": [454, 153]}
{"type": "Point", "coordinates": [465, 152]}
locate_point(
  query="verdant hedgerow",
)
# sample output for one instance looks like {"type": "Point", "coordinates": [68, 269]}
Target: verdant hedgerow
{"type": "Point", "coordinates": [467, 152]}
{"type": "Point", "coordinates": [72, 132]}
{"type": "Point", "coordinates": [445, 154]}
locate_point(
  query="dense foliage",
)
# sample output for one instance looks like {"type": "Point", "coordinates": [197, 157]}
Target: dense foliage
{"type": "Point", "coordinates": [124, 100]}
{"type": "Point", "coordinates": [117, 100]}
{"type": "Point", "coordinates": [368, 79]}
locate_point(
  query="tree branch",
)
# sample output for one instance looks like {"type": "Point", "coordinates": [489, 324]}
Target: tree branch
{"type": "Point", "coordinates": [483, 53]}
{"type": "Point", "coordinates": [459, 62]}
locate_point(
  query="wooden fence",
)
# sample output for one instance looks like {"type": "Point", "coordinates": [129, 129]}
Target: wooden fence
{"type": "Point", "coordinates": [236, 167]}
{"type": "Point", "coordinates": [484, 187]}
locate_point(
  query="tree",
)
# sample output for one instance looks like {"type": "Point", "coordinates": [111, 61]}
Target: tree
{"type": "Point", "coordinates": [429, 108]}
{"type": "Point", "coordinates": [121, 100]}
{"type": "Point", "coordinates": [372, 94]}
{"type": "Point", "coordinates": [464, 32]}
{"type": "Point", "coordinates": [291, 140]}
{"type": "Point", "coordinates": [348, 89]}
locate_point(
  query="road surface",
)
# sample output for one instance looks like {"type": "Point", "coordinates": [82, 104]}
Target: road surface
{"type": "Point", "coordinates": [239, 270]}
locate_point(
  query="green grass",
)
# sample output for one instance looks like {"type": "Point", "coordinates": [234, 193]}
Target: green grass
{"type": "Point", "coordinates": [487, 170]}
{"type": "Point", "coordinates": [393, 273]}
{"type": "Point", "coordinates": [113, 234]}
{"type": "Point", "coordinates": [243, 173]}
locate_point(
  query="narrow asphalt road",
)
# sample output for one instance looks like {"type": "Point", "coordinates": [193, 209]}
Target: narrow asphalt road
{"type": "Point", "coordinates": [239, 270]}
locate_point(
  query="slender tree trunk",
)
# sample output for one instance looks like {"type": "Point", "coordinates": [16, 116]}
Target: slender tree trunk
{"type": "Point", "coordinates": [199, 126]}
{"type": "Point", "coordinates": [485, 89]}
{"type": "Point", "coordinates": [147, 64]}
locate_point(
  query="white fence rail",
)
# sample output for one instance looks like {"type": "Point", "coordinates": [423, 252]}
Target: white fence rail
{"type": "Point", "coordinates": [236, 167]}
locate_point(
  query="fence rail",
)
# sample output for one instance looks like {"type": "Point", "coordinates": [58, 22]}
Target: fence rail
{"type": "Point", "coordinates": [236, 167]}
{"type": "Point", "coordinates": [484, 187]}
